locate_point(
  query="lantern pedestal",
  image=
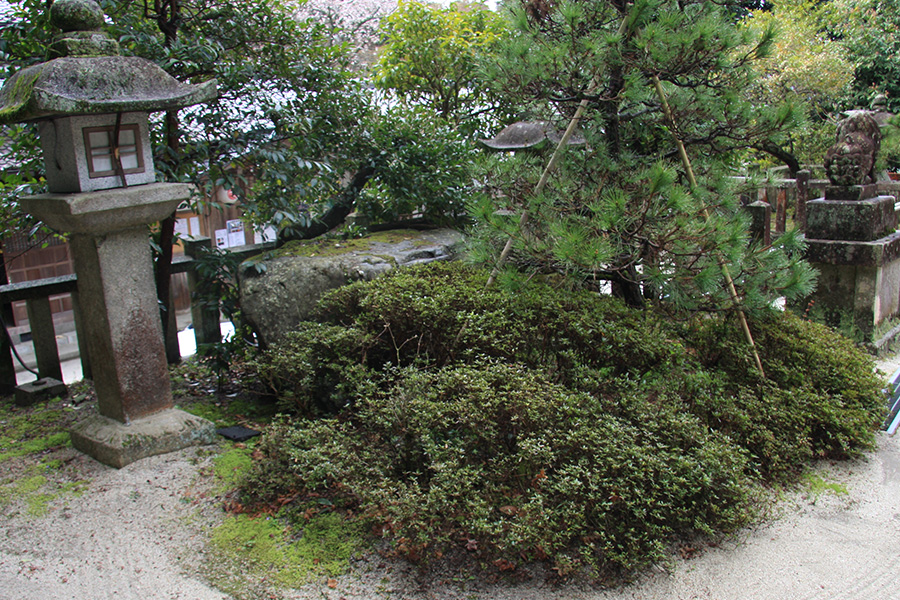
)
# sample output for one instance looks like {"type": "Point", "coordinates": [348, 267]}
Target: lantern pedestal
{"type": "Point", "coordinates": [117, 293]}
{"type": "Point", "coordinates": [117, 444]}
{"type": "Point", "coordinates": [851, 242]}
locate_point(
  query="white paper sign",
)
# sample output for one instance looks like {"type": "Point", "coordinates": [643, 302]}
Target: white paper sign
{"type": "Point", "coordinates": [181, 228]}
{"type": "Point", "coordinates": [235, 233]}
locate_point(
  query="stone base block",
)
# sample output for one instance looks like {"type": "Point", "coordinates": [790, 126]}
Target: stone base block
{"type": "Point", "coordinates": [853, 193]}
{"type": "Point", "coordinates": [116, 444]}
{"type": "Point", "coordinates": [37, 391]}
{"type": "Point", "coordinates": [862, 220]}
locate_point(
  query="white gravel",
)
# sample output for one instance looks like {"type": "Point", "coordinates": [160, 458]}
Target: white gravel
{"type": "Point", "coordinates": [125, 537]}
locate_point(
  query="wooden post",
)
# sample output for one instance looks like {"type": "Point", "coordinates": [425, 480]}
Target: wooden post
{"type": "Point", "coordinates": [43, 336]}
{"type": "Point", "coordinates": [204, 318]}
{"type": "Point", "coordinates": [7, 367]}
{"type": "Point", "coordinates": [761, 221]}
{"type": "Point", "coordinates": [802, 198]}
{"type": "Point", "coordinates": [173, 352]}
{"type": "Point", "coordinates": [780, 210]}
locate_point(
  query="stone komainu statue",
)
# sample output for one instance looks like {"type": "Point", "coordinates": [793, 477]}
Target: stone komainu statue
{"type": "Point", "coordinates": [851, 160]}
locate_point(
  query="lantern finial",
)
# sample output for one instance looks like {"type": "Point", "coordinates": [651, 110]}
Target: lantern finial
{"type": "Point", "coordinates": [76, 15]}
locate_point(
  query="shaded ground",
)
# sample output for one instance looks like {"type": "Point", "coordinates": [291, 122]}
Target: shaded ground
{"type": "Point", "coordinates": [72, 528]}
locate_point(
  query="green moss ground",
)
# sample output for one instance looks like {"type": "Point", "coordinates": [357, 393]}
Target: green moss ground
{"type": "Point", "coordinates": [290, 551]}
{"type": "Point", "coordinates": [33, 475]}
{"type": "Point", "coordinates": [285, 548]}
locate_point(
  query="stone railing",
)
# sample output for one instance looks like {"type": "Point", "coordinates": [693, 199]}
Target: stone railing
{"type": "Point", "coordinates": [36, 295]}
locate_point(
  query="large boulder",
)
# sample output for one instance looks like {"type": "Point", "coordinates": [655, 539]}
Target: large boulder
{"type": "Point", "coordinates": [274, 300]}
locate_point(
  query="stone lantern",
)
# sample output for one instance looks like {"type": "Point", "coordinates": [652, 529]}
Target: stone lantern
{"type": "Point", "coordinates": [529, 135]}
{"type": "Point", "coordinates": [91, 106]}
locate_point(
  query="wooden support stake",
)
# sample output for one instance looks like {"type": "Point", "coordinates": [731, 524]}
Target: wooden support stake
{"type": "Point", "coordinates": [802, 198]}
{"type": "Point", "coordinates": [780, 210]}
{"type": "Point", "coordinates": [541, 184]}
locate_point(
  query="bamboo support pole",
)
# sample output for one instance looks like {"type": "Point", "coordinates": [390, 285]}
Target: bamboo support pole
{"type": "Point", "coordinates": [729, 282]}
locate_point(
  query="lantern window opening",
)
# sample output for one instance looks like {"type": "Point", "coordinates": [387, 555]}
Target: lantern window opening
{"type": "Point", "coordinates": [104, 156]}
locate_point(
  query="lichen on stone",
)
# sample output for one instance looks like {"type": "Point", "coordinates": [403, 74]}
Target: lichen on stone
{"type": "Point", "coordinates": [333, 247]}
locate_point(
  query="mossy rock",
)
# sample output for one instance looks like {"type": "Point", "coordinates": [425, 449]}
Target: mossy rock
{"type": "Point", "coordinates": [281, 290]}
{"type": "Point", "coordinates": [76, 15]}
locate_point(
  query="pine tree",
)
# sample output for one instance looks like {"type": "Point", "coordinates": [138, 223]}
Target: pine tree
{"type": "Point", "coordinates": [621, 208]}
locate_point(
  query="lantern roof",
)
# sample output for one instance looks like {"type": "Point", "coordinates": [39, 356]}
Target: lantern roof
{"type": "Point", "coordinates": [529, 135]}
{"type": "Point", "coordinates": [86, 75]}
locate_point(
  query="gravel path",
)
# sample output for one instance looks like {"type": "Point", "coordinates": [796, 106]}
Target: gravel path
{"type": "Point", "coordinates": [138, 533]}
{"type": "Point", "coordinates": [125, 537]}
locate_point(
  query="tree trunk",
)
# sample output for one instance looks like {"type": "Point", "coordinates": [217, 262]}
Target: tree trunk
{"type": "Point", "coordinates": [166, 247]}
{"type": "Point", "coordinates": [335, 215]}
{"type": "Point", "coordinates": [626, 287]}
{"type": "Point", "coordinates": [781, 154]}
{"type": "Point", "coordinates": [167, 16]}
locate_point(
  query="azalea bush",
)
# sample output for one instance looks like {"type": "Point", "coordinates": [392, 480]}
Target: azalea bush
{"type": "Point", "coordinates": [547, 423]}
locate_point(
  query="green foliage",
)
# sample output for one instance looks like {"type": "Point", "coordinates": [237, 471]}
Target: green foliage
{"type": "Point", "coordinates": [217, 290]}
{"type": "Point", "coordinates": [292, 119]}
{"type": "Point", "coordinates": [807, 68]}
{"type": "Point", "coordinates": [804, 65]}
{"type": "Point", "coordinates": [423, 168]}
{"type": "Point", "coordinates": [621, 208]}
{"type": "Point", "coordinates": [431, 53]}
{"type": "Point", "coordinates": [868, 30]}
{"type": "Point", "coordinates": [545, 423]}
{"type": "Point", "coordinates": [889, 155]}
{"type": "Point", "coordinates": [522, 467]}
{"type": "Point", "coordinates": [315, 369]}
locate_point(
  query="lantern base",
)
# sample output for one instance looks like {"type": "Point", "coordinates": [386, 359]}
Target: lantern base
{"type": "Point", "coordinates": [117, 444]}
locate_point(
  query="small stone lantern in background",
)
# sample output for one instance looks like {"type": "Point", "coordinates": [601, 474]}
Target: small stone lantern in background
{"type": "Point", "coordinates": [92, 108]}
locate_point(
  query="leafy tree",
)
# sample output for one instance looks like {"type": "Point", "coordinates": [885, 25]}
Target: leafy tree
{"type": "Point", "coordinates": [430, 57]}
{"type": "Point", "coordinates": [870, 30]}
{"type": "Point", "coordinates": [623, 208]}
{"type": "Point", "coordinates": [264, 60]}
{"type": "Point", "coordinates": [294, 133]}
{"type": "Point", "coordinates": [807, 68]}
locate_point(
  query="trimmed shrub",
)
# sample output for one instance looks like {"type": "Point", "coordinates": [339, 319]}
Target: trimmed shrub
{"type": "Point", "coordinates": [547, 423]}
{"type": "Point", "coordinates": [314, 370]}
{"type": "Point", "coordinates": [493, 457]}
{"type": "Point", "coordinates": [440, 314]}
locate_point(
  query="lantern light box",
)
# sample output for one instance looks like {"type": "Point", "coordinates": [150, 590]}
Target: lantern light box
{"type": "Point", "coordinates": [80, 156]}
